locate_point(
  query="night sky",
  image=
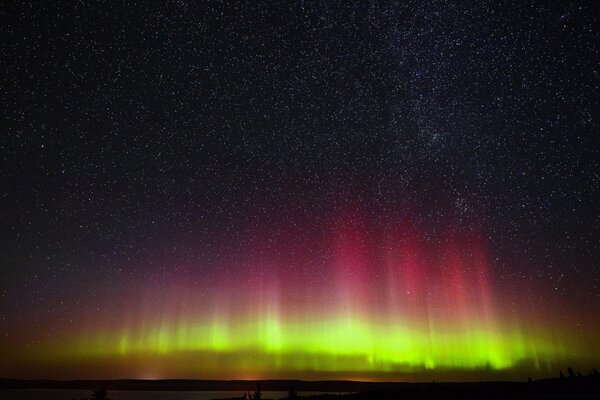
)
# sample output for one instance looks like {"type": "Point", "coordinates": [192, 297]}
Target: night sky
{"type": "Point", "coordinates": [333, 189]}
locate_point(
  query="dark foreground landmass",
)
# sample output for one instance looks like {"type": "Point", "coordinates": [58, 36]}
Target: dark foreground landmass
{"type": "Point", "coordinates": [574, 387]}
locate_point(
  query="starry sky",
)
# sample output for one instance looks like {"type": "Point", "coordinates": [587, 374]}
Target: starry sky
{"type": "Point", "coordinates": [302, 189]}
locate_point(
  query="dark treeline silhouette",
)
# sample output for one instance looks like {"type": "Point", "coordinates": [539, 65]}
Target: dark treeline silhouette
{"type": "Point", "coordinates": [572, 385]}
{"type": "Point", "coordinates": [575, 386]}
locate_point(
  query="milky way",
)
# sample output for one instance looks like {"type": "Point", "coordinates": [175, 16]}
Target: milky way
{"type": "Point", "coordinates": [300, 190]}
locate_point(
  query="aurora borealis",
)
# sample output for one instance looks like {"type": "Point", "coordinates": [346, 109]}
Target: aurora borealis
{"type": "Point", "coordinates": [300, 191]}
{"type": "Point", "coordinates": [385, 301]}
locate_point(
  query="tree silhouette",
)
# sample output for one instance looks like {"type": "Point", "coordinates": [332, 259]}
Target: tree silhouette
{"type": "Point", "coordinates": [257, 393]}
{"type": "Point", "coordinates": [292, 394]}
{"type": "Point", "coordinates": [100, 394]}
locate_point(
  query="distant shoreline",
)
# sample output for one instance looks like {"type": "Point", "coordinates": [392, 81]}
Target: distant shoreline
{"type": "Point", "coordinates": [572, 386]}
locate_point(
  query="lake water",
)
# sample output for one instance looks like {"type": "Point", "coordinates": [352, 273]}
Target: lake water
{"type": "Point", "coordinates": [62, 394]}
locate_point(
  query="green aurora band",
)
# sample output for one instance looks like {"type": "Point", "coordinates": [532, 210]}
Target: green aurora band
{"type": "Point", "coordinates": [400, 308]}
